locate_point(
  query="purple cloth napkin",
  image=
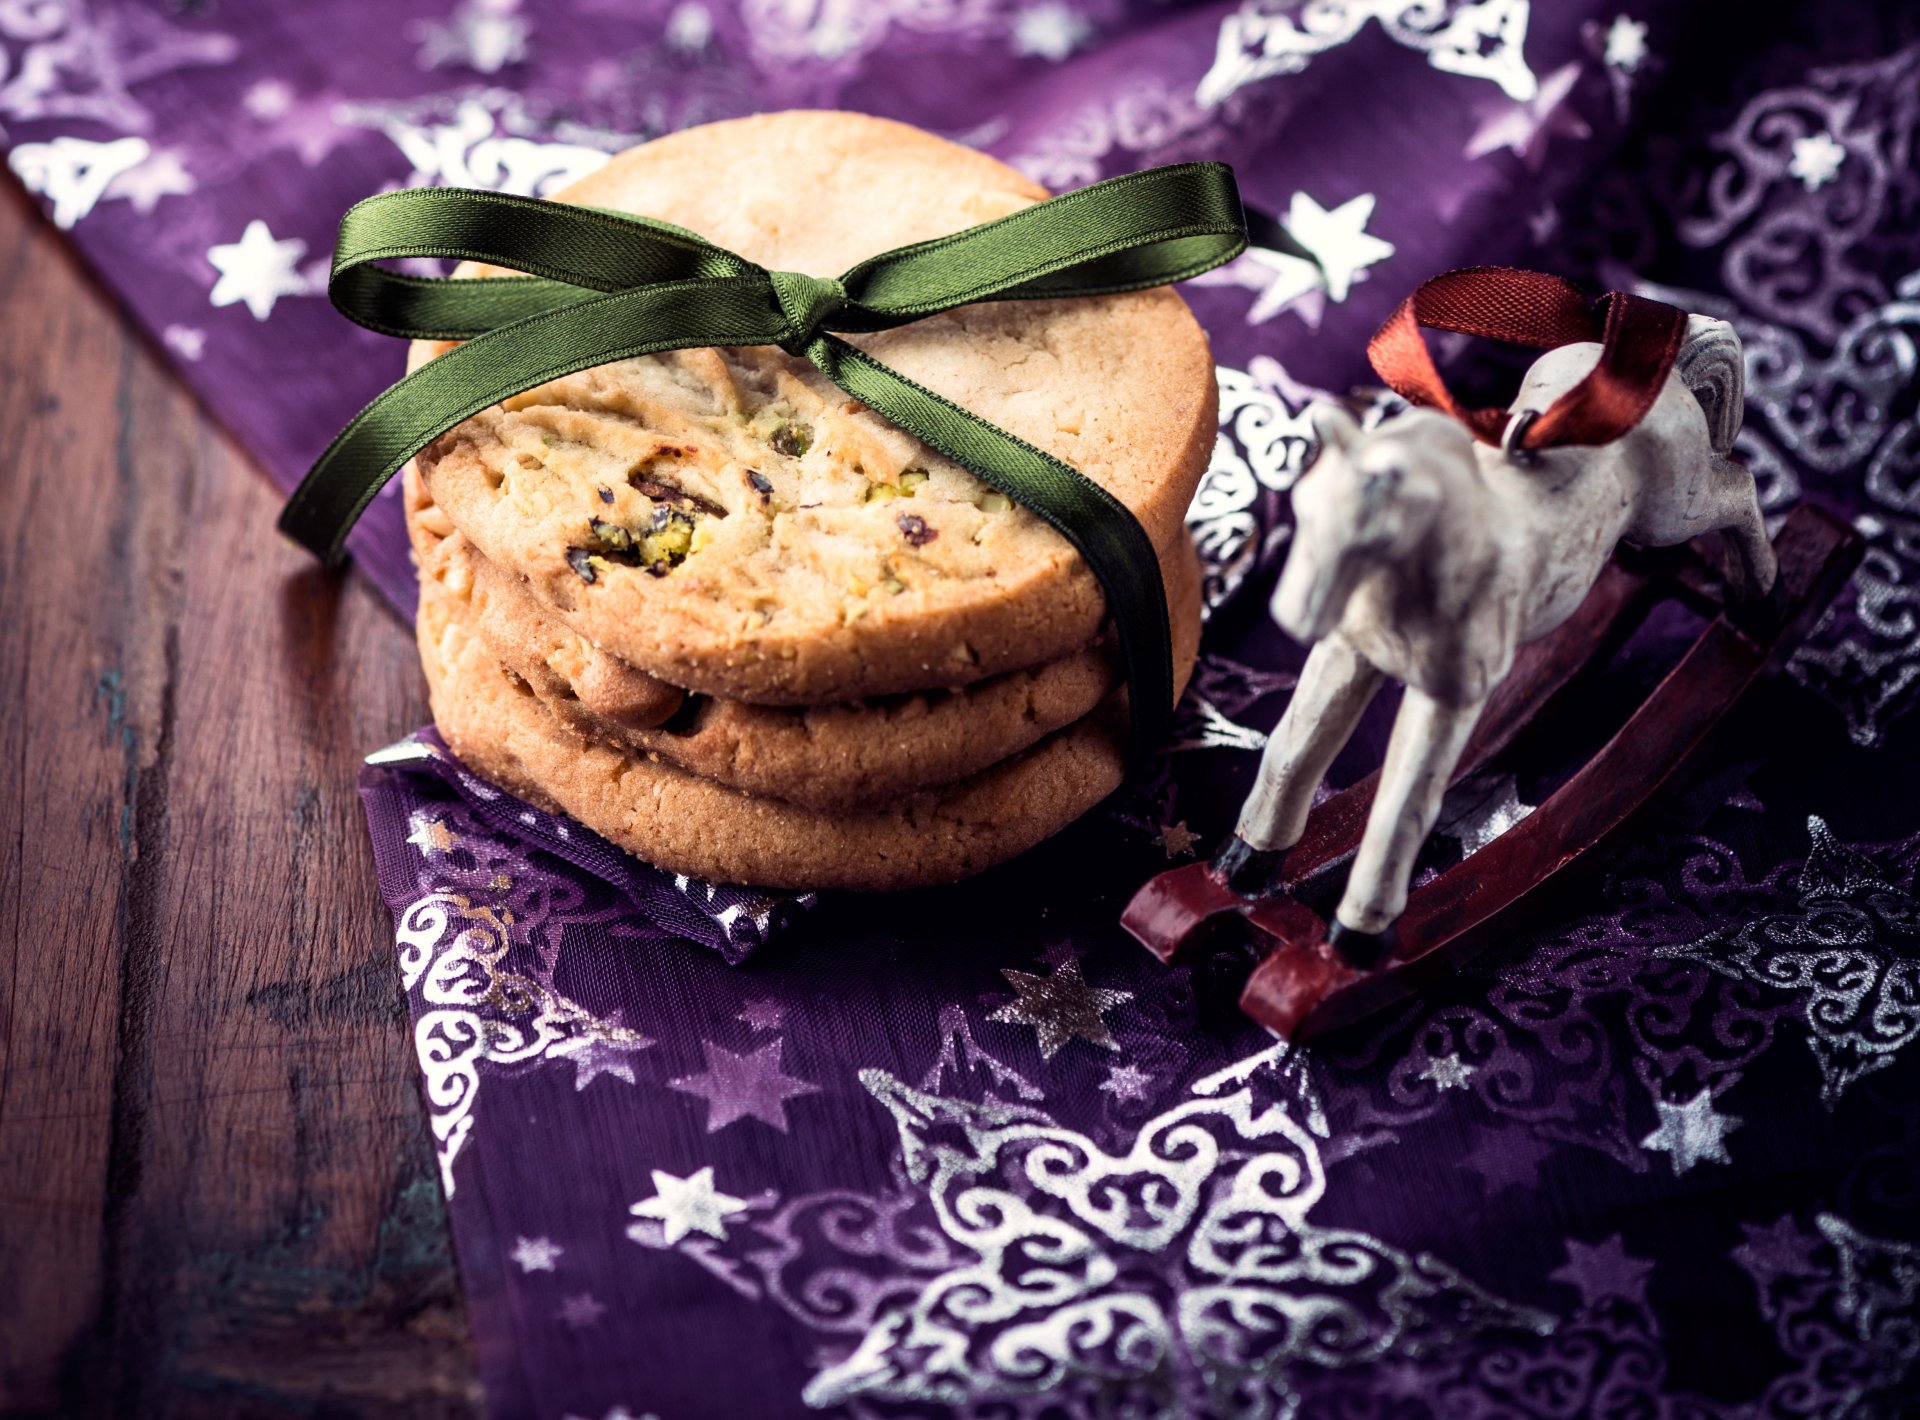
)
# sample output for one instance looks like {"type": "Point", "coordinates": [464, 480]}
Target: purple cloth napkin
{"type": "Point", "coordinates": [969, 1151]}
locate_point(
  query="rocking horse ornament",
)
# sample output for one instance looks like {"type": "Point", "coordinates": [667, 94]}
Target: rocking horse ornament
{"type": "Point", "coordinates": [1466, 553]}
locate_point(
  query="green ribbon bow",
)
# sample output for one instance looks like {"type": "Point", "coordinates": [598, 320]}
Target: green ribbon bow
{"type": "Point", "coordinates": [603, 286]}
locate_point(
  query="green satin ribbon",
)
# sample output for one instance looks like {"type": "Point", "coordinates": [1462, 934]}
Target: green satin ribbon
{"type": "Point", "coordinates": [604, 286]}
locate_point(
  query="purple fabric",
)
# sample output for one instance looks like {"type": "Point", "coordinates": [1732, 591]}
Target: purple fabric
{"type": "Point", "coordinates": [969, 1151]}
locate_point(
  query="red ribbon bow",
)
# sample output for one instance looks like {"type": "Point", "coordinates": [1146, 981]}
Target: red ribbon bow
{"type": "Point", "coordinates": [1639, 340]}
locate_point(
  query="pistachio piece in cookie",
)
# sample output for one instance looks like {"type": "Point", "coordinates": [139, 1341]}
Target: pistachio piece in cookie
{"type": "Point", "coordinates": [791, 439]}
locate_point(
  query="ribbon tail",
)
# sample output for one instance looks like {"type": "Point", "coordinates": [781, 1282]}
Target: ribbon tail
{"type": "Point", "coordinates": [1101, 528]}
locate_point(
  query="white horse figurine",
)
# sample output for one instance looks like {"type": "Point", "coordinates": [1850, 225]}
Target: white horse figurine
{"type": "Point", "coordinates": [1422, 554]}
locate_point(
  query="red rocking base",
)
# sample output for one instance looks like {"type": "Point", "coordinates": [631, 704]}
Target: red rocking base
{"type": "Point", "coordinates": [1304, 987]}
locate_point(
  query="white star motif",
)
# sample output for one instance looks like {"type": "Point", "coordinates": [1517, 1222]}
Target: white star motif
{"type": "Point", "coordinates": [1816, 160]}
{"type": "Point", "coordinates": [270, 98]}
{"type": "Point", "coordinates": [581, 1311]}
{"type": "Point", "coordinates": [483, 35]}
{"type": "Point", "coordinates": [189, 341]}
{"type": "Point", "coordinates": [689, 1205]}
{"type": "Point", "coordinates": [597, 1055]}
{"type": "Point", "coordinates": [162, 175]}
{"type": "Point", "coordinates": [763, 1014]}
{"type": "Point", "coordinates": [690, 26]}
{"type": "Point", "coordinates": [257, 270]}
{"type": "Point", "coordinates": [1284, 281]}
{"type": "Point", "coordinates": [1448, 1072]}
{"type": "Point", "coordinates": [75, 173]}
{"type": "Point", "coordinates": [1126, 1082]}
{"type": "Point", "coordinates": [1691, 1133]}
{"type": "Point", "coordinates": [1626, 43]}
{"type": "Point", "coordinates": [1049, 31]}
{"type": "Point", "coordinates": [431, 835]}
{"type": "Point", "coordinates": [1341, 248]}
{"type": "Point", "coordinates": [1526, 128]}
{"type": "Point", "coordinates": [1337, 239]}
{"type": "Point", "coordinates": [536, 1254]}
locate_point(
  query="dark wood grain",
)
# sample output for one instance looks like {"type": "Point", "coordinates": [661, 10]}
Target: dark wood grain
{"type": "Point", "coordinates": [217, 1195]}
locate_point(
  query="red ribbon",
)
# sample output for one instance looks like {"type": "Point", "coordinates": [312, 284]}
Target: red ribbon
{"type": "Point", "coordinates": [1639, 340]}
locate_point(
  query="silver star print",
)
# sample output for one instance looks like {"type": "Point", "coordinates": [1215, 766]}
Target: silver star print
{"type": "Point", "coordinates": [763, 1014]}
{"type": "Point", "coordinates": [1776, 1249]}
{"type": "Point", "coordinates": [1816, 160]}
{"type": "Point", "coordinates": [606, 1051]}
{"type": "Point", "coordinates": [1341, 249]}
{"type": "Point", "coordinates": [257, 270]}
{"type": "Point", "coordinates": [1692, 1133]}
{"type": "Point", "coordinates": [162, 175]}
{"type": "Point", "coordinates": [1338, 239]}
{"type": "Point", "coordinates": [431, 835]}
{"type": "Point", "coordinates": [1448, 1072]}
{"type": "Point", "coordinates": [1126, 1082]}
{"type": "Point", "coordinates": [1176, 839]}
{"type": "Point", "coordinates": [1506, 1159]}
{"type": "Point", "coordinates": [744, 1086]}
{"type": "Point", "coordinates": [188, 341]}
{"type": "Point", "coordinates": [689, 27]}
{"type": "Point", "coordinates": [689, 1205]}
{"type": "Point", "coordinates": [1527, 128]}
{"type": "Point", "coordinates": [536, 1254]}
{"type": "Point", "coordinates": [1601, 1270]}
{"type": "Point", "coordinates": [482, 35]}
{"type": "Point", "coordinates": [581, 1311]}
{"type": "Point", "coordinates": [1626, 44]}
{"type": "Point", "coordinates": [1061, 1007]}
{"type": "Point", "coordinates": [1049, 31]}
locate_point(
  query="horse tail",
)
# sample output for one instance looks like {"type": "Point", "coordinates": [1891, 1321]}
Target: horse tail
{"type": "Point", "coordinates": [1712, 366]}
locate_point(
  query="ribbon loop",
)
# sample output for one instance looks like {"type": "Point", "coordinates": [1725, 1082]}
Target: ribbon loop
{"type": "Point", "coordinates": [605, 286]}
{"type": "Point", "coordinates": [1639, 342]}
{"type": "Point", "coordinates": [808, 302]}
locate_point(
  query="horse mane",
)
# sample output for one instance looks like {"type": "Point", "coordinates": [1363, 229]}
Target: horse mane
{"type": "Point", "coordinates": [1712, 365]}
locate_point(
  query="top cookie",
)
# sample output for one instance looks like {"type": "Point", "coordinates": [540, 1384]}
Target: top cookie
{"type": "Point", "coordinates": [731, 522]}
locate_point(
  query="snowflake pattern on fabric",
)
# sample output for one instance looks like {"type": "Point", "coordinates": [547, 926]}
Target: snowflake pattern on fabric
{"type": "Point", "coordinates": [1480, 39]}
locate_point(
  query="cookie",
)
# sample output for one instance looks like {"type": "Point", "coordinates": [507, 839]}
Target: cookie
{"type": "Point", "coordinates": [686, 824]}
{"type": "Point", "coordinates": [730, 522]}
{"type": "Point", "coordinates": [530, 640]}
{"type": "Point", "coordinates": [841, 757]}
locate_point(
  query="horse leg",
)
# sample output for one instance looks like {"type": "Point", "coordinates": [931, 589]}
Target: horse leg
{"type": "Point", "coordinates": [1428, 738]}
{"type": "Point", "coordinates": [1736, 509]}
{"type": "Point", "coordinates": [1336, 685]}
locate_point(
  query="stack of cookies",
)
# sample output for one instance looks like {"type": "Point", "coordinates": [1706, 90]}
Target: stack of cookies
{"type": "Point", "coordinates": [713, 608]}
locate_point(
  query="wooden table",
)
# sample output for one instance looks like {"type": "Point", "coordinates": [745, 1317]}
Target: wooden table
{"type": "Point", "coordinates": [217, 1194]}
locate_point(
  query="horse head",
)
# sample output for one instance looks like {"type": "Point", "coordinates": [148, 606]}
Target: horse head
{"type": "Point", "coordinates": [1367, 499]}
